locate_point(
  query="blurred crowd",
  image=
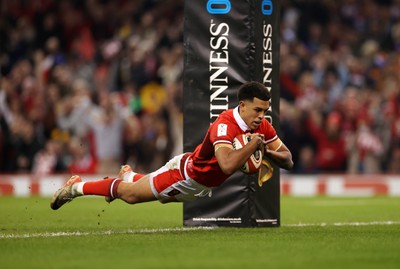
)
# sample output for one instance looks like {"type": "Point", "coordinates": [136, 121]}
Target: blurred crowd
{"type": "Point", "coordinates": [340, 85]}
{"type": "Point", "coordinates": [89, 85]}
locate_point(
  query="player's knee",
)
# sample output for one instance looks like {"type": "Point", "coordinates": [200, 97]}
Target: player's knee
{"type": "Point", "coordinates": [128, 194]}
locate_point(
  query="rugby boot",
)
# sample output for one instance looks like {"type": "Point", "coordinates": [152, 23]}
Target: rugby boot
{"type": "Point", "coordinates": [64, 194]}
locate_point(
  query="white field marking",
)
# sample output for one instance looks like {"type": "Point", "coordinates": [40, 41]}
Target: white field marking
{"type": "Point", "coordinates": [143, 231]}
{"type": "Point", "coordinates": [167, 230]}
{"type": "Point", "coordinates": [389, 222]}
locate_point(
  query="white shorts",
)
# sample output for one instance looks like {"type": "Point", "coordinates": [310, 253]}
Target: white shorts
{"type": "Point", "coordinates": [171, 180]}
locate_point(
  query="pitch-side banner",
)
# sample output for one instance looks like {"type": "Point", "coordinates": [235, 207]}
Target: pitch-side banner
{"type": "Point", "coordinates": [226, 44]}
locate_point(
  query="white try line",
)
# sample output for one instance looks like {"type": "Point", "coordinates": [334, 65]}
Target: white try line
{"type": "Point", "coordinates": [183, 229]}
{"type": "Point", "coordinates": [142, 231]}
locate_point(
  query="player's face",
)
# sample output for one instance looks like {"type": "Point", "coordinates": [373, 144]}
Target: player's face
{"type": "Point", "coordinates": [253, 112]}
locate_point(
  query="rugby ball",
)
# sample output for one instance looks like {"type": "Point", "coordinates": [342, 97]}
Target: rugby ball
{"type": "Point", "coordinates": [253, 164]}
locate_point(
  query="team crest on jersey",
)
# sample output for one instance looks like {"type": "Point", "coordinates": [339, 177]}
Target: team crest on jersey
{"type": "Point", "coordinates": [222, 129]}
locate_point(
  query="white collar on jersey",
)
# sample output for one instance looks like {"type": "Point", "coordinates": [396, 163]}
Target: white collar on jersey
{"type": "Point", "coordinates": [239, 120]}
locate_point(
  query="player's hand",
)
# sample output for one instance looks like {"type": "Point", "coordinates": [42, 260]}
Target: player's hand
{"type": "Point", "coordinates": [260, 140]}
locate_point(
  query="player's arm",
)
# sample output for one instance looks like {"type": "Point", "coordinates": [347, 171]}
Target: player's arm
{"type": "Point", "coordinates": [231, 160]}
{"type": "Point", "coordinates": [279, 153]}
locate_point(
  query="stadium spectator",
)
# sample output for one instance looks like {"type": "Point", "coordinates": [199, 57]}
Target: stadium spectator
{"type": "Point", "coordinates": [105, 122]}
{"type": "Point", "coordinates": [74, 108]}
{"type": "Point", "coordinates": [82, 159]}
{"type": "Point", "coordinates": [306, 162]}
{"type": "Point", "coordinates": [330, 143]}
{"type": "Point", "coordinates": [49, 160]}
{"type": "Point", "coordinates": [24, 145]}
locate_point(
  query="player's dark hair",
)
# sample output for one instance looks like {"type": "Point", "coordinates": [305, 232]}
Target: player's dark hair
{"type": "Point", "coordinates": [252, 89]}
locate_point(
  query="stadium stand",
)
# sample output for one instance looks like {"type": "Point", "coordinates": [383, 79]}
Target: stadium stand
{"type": "Point", "coordinates": [88, 85]}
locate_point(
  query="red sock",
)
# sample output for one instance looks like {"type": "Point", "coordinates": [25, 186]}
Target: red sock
{"type": "Point", "coordinates": [105, 187]}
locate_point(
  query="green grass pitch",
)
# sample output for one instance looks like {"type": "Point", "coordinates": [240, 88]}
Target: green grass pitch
{"type": "Point", "coordinates": [316, 232]}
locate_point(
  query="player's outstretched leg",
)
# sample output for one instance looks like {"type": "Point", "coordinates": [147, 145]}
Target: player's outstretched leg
{"type": "Point", "coordinates": [76, 187]}
{"type": "Point", "coordinates": [65, 194]}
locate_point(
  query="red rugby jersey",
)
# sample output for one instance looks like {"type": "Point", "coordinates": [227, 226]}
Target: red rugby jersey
{"type": "Point", "coordinates": [203, 165]}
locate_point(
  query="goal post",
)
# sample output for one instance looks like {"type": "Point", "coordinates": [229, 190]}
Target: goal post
{"type": "Point", "coordinates": [227, 43]}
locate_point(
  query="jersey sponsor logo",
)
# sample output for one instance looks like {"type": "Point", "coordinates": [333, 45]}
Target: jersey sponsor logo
{"type": "Point", "coordinates": [222, 129]}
